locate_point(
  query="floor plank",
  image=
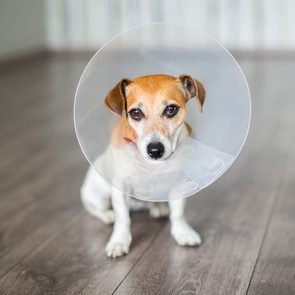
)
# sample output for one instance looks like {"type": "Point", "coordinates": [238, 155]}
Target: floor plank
{"type": "Point", "coordinates": [73, 262]}
{"type": "Point", "coordinates": [274, 272]}
{"type": "Point", "coordinates": [275, 268]}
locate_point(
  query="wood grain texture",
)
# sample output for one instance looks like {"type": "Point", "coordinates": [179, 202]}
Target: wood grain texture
{"type": "Point", "coordinates": [49, 244]}
{"type": "Point", "coordinates": [73, 261]}
{"type": "Point", "coordinates": [233, 213]}
{"type": "Point", "coordinates": [275, 269]}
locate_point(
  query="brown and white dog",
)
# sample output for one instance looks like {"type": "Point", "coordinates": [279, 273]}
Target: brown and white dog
{"type": "Point", "coordinates": [152, 111]}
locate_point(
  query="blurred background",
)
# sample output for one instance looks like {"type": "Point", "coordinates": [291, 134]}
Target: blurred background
{"type": "Point", "coordinates": [50, 245]}
{"type": "Point", "coordinates": [81, 25]}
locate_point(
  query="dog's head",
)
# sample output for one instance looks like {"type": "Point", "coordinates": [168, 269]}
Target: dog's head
{"type": "Point", "coordinates": [155, 108]}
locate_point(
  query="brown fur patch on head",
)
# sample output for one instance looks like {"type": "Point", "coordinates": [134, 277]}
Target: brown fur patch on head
{"type": "Point", "coordinates": [152, 86]}
{"type": "Point", "coordinates": [152, 95]}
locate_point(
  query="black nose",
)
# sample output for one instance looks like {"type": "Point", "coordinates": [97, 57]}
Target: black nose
{"type": "Point", "coordinates": [155, 150]}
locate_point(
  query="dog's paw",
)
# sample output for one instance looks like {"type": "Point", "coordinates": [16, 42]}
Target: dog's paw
{"type": "Point", "coordinates": [185, 235]}
{"type": "Point", "coordinates": [159, 210]}
{"type": "Point", "coordinates": [107, 216]}
{"type": "Point", "coordinates": [118, 246]}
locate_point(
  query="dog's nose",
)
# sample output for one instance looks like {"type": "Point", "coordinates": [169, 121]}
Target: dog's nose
{"type": "Point", "coordinates": [155, 150]}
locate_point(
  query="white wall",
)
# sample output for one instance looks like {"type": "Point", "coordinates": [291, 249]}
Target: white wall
{"type": "Point", "coordinates": [27, 26]}
{"type": "Point", "coordinates": [22, 27]}
{"type": "Point", "coordinates": [239, 24]}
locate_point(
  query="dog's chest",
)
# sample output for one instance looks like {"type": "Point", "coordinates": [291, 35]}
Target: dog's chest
{"type": "Point", "coordinates": [127, 170]}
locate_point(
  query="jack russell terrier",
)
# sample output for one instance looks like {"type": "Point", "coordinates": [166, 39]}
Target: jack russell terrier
{"type": "Point", "coordinates": [152, 111]}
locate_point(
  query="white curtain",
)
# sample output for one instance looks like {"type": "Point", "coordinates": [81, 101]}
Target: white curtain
{"type": "Point", "coordinates": [238, 24]}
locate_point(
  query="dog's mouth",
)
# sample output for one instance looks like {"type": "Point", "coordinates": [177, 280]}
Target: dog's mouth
{"type": "Point", "coordinates": [159, 160]}
{"type": "Point", "coordinates": [169, 156]}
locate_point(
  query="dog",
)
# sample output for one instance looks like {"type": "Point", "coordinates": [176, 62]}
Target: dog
{"type": "Point", "coordinates": [152, 112]}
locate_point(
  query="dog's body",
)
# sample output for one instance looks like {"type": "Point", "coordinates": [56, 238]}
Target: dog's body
{"type": "Point", "coordinates": [152, 125]}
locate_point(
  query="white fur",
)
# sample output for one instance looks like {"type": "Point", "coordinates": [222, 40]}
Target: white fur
{"type": "Point", "coordinates": [97, 194]}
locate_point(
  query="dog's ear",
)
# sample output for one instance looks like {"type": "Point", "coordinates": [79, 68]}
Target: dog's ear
{"type": "Point", "coordinates": [193, 88]}
{"type": "Point", "coordinates": [116, 99]}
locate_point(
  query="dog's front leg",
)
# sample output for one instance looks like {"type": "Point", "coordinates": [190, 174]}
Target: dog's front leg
{"type": "Point", "coordinates": [181, 231]}
{"type": "Point", "coordinates": [120, 240]}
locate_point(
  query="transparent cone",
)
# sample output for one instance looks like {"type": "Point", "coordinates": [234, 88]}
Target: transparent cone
{"type": "Point", "coordinates": [218, 133]}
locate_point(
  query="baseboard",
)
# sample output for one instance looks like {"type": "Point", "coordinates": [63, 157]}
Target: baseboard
{"type": "Point", "coordinates": [237, 53]}
{"type": "Point", "coordinates": [15, 62]}
{"type": "Point", "coordinates": [263, 53]}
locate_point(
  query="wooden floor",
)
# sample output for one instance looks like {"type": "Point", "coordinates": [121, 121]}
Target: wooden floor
{"type": "Point", "coordinates": [50, 245]}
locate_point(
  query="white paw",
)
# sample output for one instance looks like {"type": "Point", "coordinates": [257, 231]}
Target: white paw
{"type": "Point", "coordinates": [118, 245]}
{"type": "Point", "coordinates": [184, 234]}
{"type": "Point", "coordinates": [159, 210]}
{"type": "Point", "coordinates": [107, 216]}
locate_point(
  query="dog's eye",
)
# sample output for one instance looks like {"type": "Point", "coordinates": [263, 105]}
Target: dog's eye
{"type": "Point", "coordinates": [171, 110]}
{"type": "Point", "coordinates": [136, 114]}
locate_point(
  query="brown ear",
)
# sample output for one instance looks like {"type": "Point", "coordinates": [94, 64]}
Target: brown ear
{"type": "Point", "coordinates": [193, 88]}
{"type": "Point", "coordinates": [116, 98]}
